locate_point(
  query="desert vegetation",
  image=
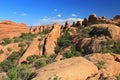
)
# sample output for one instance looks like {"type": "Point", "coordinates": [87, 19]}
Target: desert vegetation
{"type": "Point", "coordinates": [44, 46]}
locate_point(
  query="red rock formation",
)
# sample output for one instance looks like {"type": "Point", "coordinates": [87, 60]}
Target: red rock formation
{"type": "Point", "coordinates": [11, 29]}
{"type": "Point", "coordinates": [51, 40]}
{"type": "Point", "coordinates": [93, 18]}
{"type": "Point", "coordinates": [74, 24]}
{"type": "Point", "coordinates": [33, 49]}
{"type": "Point", "coordinates": [76, 68]}
{"type": "Point", "coordinates": [67, 24]}
{"type": "Point", "coordinates": [37, 29]}
{"type": "Point", "coordinates": [109, 30]}
{"type": "Point", "coordinates": [85, 21]}
{"type": "Point", "coordinates": [79, 23]}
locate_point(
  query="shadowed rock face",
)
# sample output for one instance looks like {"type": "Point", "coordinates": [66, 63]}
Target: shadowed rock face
{"type": "Point", "coordinates": [90, 45]}
{"type": "Point", "coordinates": [67, 24]}
{"type": "Point", "coordinates": [11, 29]}
{"type": "Point", "coordinates": [109, 30]}
{"type": "Point", "coordinates": [51, 40]}
{"type": "Point", "coordinates": [117, 17]}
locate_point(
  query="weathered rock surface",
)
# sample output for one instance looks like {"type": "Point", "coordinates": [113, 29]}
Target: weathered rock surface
{"type": "Point", "coordinates": [6, 53]}
{"type": "Point", "coordinates": [76, 68]}
{"type": "Point", "coordinates": [110, 66]}
{"type": "Point", "coordinates": [51, 40]}
{"type": "Point", "coordinates": [33, 49]}
{"type": "Point", "coordinates": [90, 45]}
{"type": "Point", "coordinates": [110, 30]}
{"type": "Point", "coordinates": [67, 24]}
{"type": "Point", "coordinates": [11, 29]}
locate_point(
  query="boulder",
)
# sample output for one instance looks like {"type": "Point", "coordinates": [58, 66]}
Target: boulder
{"type": "Point", "coordinates": [90, 45]}
{"type": "Point", "coordinates": [51, 40]}
{"type": "Point", "coordinates": [76, 68]}
{"type": "Point", "coordinates": [110, 66]}
{"type": "Point", "coordinates": [109, 30]}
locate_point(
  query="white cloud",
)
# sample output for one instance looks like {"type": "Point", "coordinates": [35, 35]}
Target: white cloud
{"type": "Point", "coordinates": [14, 12]}
{"type": "Point", "coordinates": [74, 15]}
{"type": "Point", "coordinates": [52, 20]}
{"type": "Point", "coordinates": [55, 10]}
{"type": "Point", "coordinates": [59, 15]}
{"type": "Point", "coordinates": [23, 14]}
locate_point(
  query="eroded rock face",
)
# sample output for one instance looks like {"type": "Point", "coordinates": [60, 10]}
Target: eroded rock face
{"type": "Point", "coordinates": [110, 65]}
{"type": "Point", "coordinates": [6, 53]}
{"type": "Point", "coordinates": [51, 40]}
{"type": "Point", "coordinates": [110, 30]}
{"type": "Point", "coordinates": [37, 29]}
{"type": "Point", "coordinates": [79, 23]}
{"type": "Point", "coordinates": [9, 29]}
{"type": "Point", "coordinates": [33, 49]}
{"type": "Point", "coordinates": [90, 45]}
{"type": "Point", "coordinates": [76, 68]}
{"type": "Point", "coordinates": [93, 18]}
{"type": "Point", "coordinates": [67, 24]}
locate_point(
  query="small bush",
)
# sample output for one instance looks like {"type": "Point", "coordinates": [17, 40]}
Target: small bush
{"type": "Point", "coordinates": [40, 46]}
{"type": "Point", "coordinates": [55, 77]}
{"type": "Point", "coordinates": [118, 77]}
{"type": "Point", "coordinates": [40, 63]}
{"type": "Point", "coordinates": [17, 39]}
{"type": "Point", "coordinates": [9, 49]}
{"type": "Point", "coordinates": [21, 72]}
{"type": "Point", "coordinates": [6, 41]}
{"type": "Point", "coordinates": [100, 64]}
{"type": "Point", "coordinates": [33, 58]}
{"type": "Point", "coordinates": [22, 45]}
{"type": "Point", "coordinates": [64, 40]}
{"type": "Point", "coordinates": [68, 54]}
{"type": "Point", "coordinates": [1, 51]}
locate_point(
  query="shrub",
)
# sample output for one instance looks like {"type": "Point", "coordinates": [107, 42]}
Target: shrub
{"type": "Point", "coordinates": [64, 40]}
{"type": "Point", "coordinates": [21, 72]}
{"type": "Point", "coordinates": [28, 36]}
{"type": "Point", "coordinates": [11, 61]}
{"type": "Point", "coordinates": [68, 55]}
{"type": "Point", "coordinates": [17, 39]}
{"type": "Point", "coordinates": [118, 77]}
{"type": "Point", "coordinates": [76, 53]}
{"type": "Point", "coordinates": [40, 46]}
{"type": "Point", "coordinates": [116, 48]}
{"type": "Point", "coordinates": [46, 31]}
{"type": "Point", "coordinates": [55, 77]}
{"type": "Point", "coordinates": [1, 51]}
{"type": "Point", "coordinates": [9, 49]}
{"type": "Point", "coordinates": [33, 58]}
{"type": "Point", "coordinates": [83, 32]}
{"type": "Point", "coordinates": [40, 63]}
{"type": "Point", "coordinates": [6, 41]}
{"type": "Point", "coordinates": [100, 64]}
{"type": "Point", "coordinates": [22, 45]}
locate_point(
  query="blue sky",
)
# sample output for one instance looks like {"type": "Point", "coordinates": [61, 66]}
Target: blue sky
{"type": "Point", "coordinates": [33, 12]}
